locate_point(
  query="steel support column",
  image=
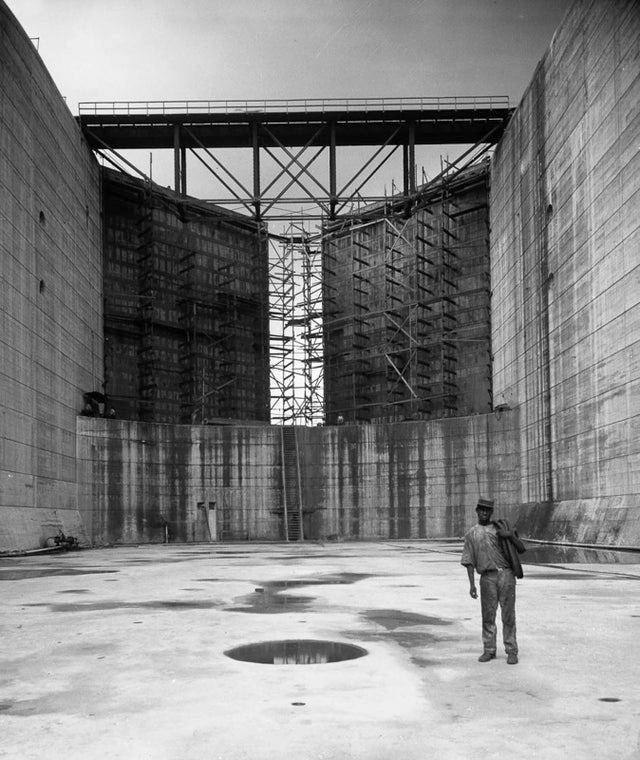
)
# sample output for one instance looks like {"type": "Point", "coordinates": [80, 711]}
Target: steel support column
{"type": "Point", "coordinates": [409, 161]}
{"type": "Point", "coordinates": [411, 157]}
{"type": "Point", "coordinates": [333, 189]}
{"type": "Point", "coordinates": [177, 159]}
{"type": "Point", "coordinates": [255, 140]}
{"type": "Point", "coordinates": [183, 169]}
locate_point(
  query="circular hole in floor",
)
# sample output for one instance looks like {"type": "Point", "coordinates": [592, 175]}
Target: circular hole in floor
{"type": "Point", "coordinates": [296, 652]}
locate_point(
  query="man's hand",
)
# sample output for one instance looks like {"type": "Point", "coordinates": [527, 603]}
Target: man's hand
{"type": "Point", "coordinates": [504, 531]}
{"type": "Point", "coordinates": [472, 582]}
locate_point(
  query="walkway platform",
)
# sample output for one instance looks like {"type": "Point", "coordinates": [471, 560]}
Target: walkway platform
{"type": "Point", "coordinates": [304, 122]}
{"type": "Point", "coordinates": [120, 653]}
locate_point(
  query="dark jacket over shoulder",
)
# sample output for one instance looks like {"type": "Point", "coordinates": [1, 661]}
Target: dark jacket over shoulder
{"type": "Point", "coordinates": [511, 547]}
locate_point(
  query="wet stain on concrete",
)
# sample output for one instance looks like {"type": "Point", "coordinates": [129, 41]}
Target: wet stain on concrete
{"type": "Point", "coordinates": [430, 599]}
{"type": "Point", "coordinates": [392, 619]}
{"type": "Point", "coordinates": [404, 585]}
{"type": "Point", "coordinates": [545, 554]}
{"type": "Point", "coordinates": [173, 560]}
{"type": "Point", "coordinates": [563, 575]}
{"type": "Point", "coordinates": [212, 553]}
{"type": "Point", "coordinates": [319, 555]}
{"type": "Point", "coordinates": [609, 699]}
{"type": "Point", "coordinates": [570, 572]}
{"type": "Point", "coordinates": [412, 639]}
{"type": "Point", "coordinates": [75, 591]}
{"type": "Point", "coordinates": [154, 605]}
{"type": "Point", "coordinates": [406, 639]}
{"type": "Point", "coordinates": [200, 553]}
{"type": "Point", "coordinates": [423, 662]}
{"type": "Point", "coordinates": [271, 603]}
{"type": "Point", "coordinates": [208, 580]}
{"type": "Point", "coordinates": [46, 572]}
{"type": "Point", "coordinates": [267, 599]}
{"type": "Point", "coordinates": [40, 706]}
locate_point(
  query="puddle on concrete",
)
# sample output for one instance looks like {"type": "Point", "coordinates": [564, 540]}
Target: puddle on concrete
{"type": "Point", "coordinates": [403, 585]}
{"type": "Point", "coordinates": [269, 603]}
{"type": "Point", "coordinates": [392, 619]}
{"type": "Point", "coordinates": [45, 572]}
{"type": "Point", "coordinates": [542, 554]}
{"type": "Point", "coordinates": [314, 555]}
{"type": "Point", "coordinates": [199, 553]}
{"type": "Point", "coordinates": [218, 553]}
{"type": "Point", "coordinates": [156, 560]}
{"type": "Point", "coordinates": [296, 652]}
{"type": "Point", "coordinates": [75, 591]}
{"type": "Point", "coordinates": [154, 605]}
{"type": "Point", "coordinates": [609, 699]}
{"type": "Point", "coordinates": [267, 599]}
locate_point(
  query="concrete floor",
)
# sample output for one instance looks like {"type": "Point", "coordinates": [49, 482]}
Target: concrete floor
{"type": "Point", "coordinates": [119, 653]}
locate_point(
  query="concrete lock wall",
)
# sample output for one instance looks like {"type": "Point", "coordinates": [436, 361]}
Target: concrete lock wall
{"type": "Point", "coordinates": [200, 483]}
{"type": "Point", "coordinates": [407, 479]}
{"type": "Point", "coordinates": [565, 251]}
{"type": "Point", "coordinates": [561, 451]}
{"type": "Point", "coordinates": [398, 480]}
{"type": "Point", "coordinates": [50, 299]}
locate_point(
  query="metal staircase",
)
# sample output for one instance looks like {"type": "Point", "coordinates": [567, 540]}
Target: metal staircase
{"type": "Point", "coordinates": [291, 486]}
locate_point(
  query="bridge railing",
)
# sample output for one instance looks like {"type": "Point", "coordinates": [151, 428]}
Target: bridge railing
{"type": "Point", "coordinates": [302, 105]}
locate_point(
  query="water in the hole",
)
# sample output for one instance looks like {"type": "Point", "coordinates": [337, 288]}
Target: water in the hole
{"type": "Point", "coordinates": [296, 652]}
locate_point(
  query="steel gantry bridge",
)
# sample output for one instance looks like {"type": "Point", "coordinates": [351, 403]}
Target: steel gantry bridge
{"type": "Point", "coordinates": [293, 155]}
{"type": "Point", "coordinates": [294, 133]}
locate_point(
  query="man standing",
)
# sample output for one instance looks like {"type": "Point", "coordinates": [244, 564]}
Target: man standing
{"type": "Point", "coordinates": [487, 552]}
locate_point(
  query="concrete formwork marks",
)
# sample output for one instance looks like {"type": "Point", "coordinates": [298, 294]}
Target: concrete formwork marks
{"type": "Point", "coordinates": [579, 120]}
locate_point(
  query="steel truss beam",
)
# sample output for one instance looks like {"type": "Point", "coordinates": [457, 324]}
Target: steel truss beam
{"type": "Point", "coordinates": [294, 138]}
{"type": "Point", "coordinates": [202, 127]}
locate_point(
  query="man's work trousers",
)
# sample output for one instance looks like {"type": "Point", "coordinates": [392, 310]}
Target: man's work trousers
{"type": "Point", "coordinates": [498, 587]}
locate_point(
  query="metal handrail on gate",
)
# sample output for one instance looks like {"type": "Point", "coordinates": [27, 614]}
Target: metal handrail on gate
{"type": "Point", "coordinates": [300, 105]}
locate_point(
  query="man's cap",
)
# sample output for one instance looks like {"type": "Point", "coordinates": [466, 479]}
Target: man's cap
{"type": "Point", "coordinates": [485, 504]}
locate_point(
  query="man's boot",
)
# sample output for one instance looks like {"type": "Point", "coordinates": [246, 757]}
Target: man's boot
{"type": "Point", "coordinates": [486, 656]}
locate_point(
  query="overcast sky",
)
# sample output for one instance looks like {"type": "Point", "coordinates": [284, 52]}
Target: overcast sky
{"type": "Point", "coordinates": [218, 49]}
{"type": "Point", "coordinates": [242, 49]}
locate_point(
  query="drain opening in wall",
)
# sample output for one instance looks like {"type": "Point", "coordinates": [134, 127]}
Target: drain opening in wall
{"type": "Point", "coordinates": [296, 652]}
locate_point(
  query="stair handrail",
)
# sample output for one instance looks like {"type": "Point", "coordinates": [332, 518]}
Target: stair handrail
{"type": "Point", "coordinates": [284, 484]}
{"type": "Point", "coordinates": [300, 526]}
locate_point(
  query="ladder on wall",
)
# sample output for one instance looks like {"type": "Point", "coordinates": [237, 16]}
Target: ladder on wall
{"type": "Point", "coordinates": [291, 485]}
